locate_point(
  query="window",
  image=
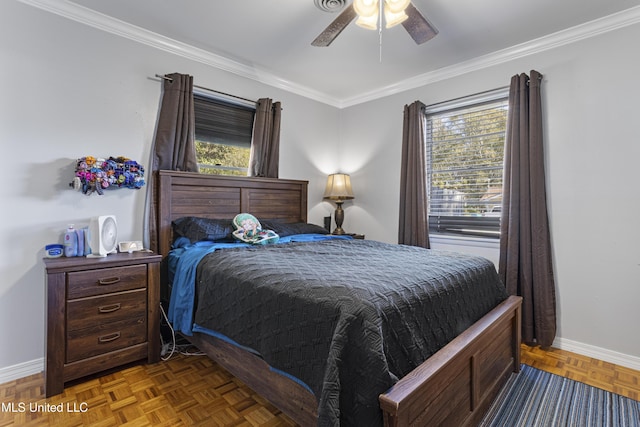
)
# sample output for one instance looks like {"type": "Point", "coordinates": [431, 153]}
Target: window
{"type": "Point", "coordinates": [465, 156]}
{"type": "Point", "coordinates": [223, 135]}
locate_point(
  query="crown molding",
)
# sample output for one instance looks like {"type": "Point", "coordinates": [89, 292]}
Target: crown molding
{"type": "Point", "coordinates": [120, 28]}
{"type": "Point", "coordinates": [111, 25]}
{"type": "Point", "coordinates": [561, 38]}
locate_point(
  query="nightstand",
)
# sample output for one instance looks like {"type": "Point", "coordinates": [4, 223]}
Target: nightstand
{"type": "Point", "coordinates": [101, 313]}
{"type": "Point", "coordinates": [356, 236]}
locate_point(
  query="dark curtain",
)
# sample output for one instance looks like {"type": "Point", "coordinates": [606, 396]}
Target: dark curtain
{"type": "Point", "coordinates": [174, 147]}
{"type": "Point", "coordinates": [265, 144]}
{"type": "Point", "coordinates": [525, 244]}
{"type": "Point", "coordinates": [413, 219]}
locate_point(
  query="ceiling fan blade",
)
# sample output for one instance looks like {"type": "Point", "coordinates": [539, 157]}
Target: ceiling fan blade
{"type": "Point", "coordinates": [417, 26]}
{"type": "Point", "coordinates": [335, 28]}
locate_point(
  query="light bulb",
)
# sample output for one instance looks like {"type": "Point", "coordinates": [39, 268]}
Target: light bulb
{"type": "Point", "coordinates": [392, 19]}
{"type": "Point", "coordinates": [396, 6]}
{"type": "Point", "coordinates": [368, 22]}
{"type": "Point", "coordinates": [365, 8]}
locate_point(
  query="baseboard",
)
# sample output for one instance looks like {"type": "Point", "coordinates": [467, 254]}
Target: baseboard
{"type": "Point", "coordinates": [21, 370]}
{"type": "Point", "coordinates": [599, 353]}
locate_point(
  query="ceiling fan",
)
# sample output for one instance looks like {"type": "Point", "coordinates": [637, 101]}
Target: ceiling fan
{"type": "Point", "coordinates": [369, 12]}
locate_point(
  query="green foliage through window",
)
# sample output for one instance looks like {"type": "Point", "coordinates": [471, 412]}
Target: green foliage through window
{"type": "Point", "coordinates": [223, 131]}
{"type": "Point", "coordinates": [465, 154]}
{"type": "Point", "coordinates": [222, 159]}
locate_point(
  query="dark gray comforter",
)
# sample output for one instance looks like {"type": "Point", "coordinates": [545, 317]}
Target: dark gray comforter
{"type": "Point", "coordinates": [347, 317]}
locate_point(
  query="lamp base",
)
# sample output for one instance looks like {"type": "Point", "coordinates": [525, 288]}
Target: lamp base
{"type": "Point", "coordinates": [339, 218]}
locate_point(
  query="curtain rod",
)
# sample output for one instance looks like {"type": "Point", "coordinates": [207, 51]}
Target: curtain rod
{"type": "Point", "coordinates": [477, 94]}
{"type": "Point", "coordinates": [210, 90]}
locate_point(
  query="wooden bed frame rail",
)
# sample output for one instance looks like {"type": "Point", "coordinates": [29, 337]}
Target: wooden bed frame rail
{"type": "Point", "coordinates": [282, 392]}
{"type": "Point", "coordinates": [454, 387]}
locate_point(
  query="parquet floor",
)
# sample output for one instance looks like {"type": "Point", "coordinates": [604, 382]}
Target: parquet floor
{"type": "Point", "coordinates": [604, 375]}
{"type": "Point", "coordinates": [184, 391]}
{"type": "Point", "coordinates": [194, 391]}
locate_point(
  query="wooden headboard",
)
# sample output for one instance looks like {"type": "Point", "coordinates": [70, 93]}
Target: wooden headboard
{"type": "Point", "coordinates": [222, 197]}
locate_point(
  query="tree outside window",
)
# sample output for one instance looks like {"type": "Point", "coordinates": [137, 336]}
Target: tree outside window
{"type": "Point", "coordinates": [465, 155]}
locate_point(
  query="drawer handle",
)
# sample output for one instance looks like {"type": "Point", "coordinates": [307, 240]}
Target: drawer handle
{"type": "Point", "coordinates": [109, 308]}
{"type": "Point", "coordinates": [109, 338]}
{"type": "Point", "coordinates": [109, 281]}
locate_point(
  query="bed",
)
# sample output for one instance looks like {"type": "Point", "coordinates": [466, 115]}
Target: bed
{"type": "Point", "coordinates": [453, 386]}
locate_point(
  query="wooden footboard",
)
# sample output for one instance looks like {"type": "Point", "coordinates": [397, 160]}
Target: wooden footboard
{"type": "Point", "coordinates": [455, 386]}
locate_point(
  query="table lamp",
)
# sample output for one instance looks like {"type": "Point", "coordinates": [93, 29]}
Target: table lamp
{"type": "Point", "coordinates": [338, 189]}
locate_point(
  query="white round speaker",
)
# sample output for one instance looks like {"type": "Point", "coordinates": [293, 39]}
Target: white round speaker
{"type": "Point", "coordinates": [103, 235]}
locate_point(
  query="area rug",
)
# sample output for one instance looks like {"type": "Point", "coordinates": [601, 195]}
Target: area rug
{"type": "Point", "coordinates": [537, 398]}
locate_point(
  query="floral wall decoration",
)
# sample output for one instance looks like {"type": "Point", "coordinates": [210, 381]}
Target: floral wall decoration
{"type": "Point", "coordinates": [96, 174]}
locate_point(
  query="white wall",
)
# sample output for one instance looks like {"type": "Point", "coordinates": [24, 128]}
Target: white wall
{"type": "Point", "coordinates": [592, 139]}
{"type": "Point", "coordinates": [70, 91]}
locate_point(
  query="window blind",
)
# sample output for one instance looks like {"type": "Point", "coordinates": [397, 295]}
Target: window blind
{"type": "Point", "coordinates": [465, 153]}
{"type": "Point", "coordinates": [220, 122]}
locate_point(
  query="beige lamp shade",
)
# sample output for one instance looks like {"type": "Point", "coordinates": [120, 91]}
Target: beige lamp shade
{"type": "Point", "coordinates": [338, 187]}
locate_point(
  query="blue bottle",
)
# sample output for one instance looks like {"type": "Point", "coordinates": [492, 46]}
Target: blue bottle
{"type": "Point", "coordinates": [70, 242]}
{"type": "Point", "coordinates": [80, 237]}
{"type": "Point", "coordinates": [87, 242]}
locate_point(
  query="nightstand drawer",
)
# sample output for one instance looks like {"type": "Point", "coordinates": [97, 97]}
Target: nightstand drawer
{"type": "Point", "coordinates": [87, 312]}
{"type": "Point", "coordinates": [103, 338]}
{"type": "Point", "coordinates": [105, 280]}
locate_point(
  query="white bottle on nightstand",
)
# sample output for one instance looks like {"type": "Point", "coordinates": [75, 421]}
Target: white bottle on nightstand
{"type": "Point", "coordinates": [70, 242]}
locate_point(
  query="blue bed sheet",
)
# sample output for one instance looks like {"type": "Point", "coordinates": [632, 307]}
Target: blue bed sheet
{"type": "Point", "coordinates": [183, 262]}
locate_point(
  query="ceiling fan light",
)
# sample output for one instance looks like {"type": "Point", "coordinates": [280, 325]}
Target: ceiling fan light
{"type": "Point", "coordinates": [368, 22]}
{"type": "Point", "coordinates": [396, 6]}
{"type": "Point", "coordinates": [366, 8]}
{"type": "Point", "coordinates": [392, 19]}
